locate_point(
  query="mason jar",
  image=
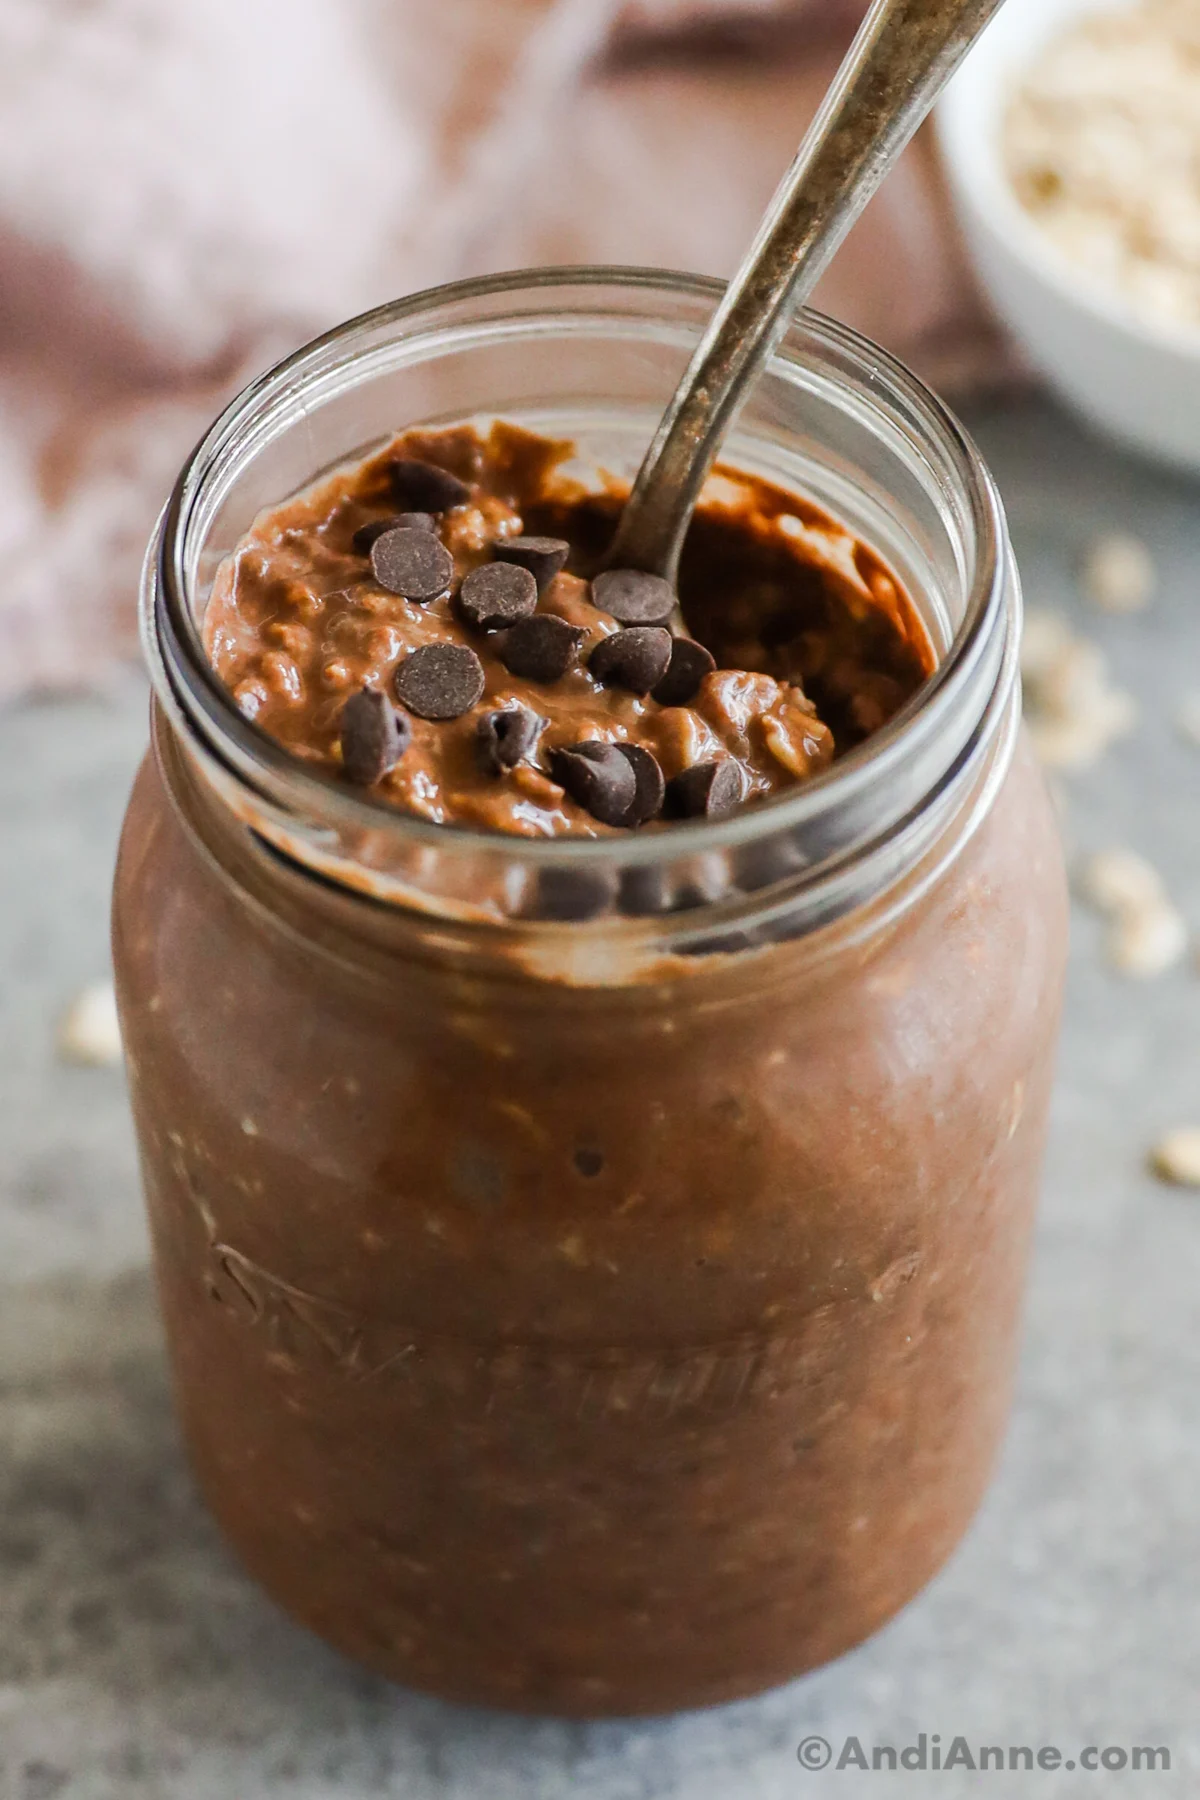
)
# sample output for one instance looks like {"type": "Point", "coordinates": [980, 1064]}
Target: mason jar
{"type": "Point", "coordinates": [592, 1268]}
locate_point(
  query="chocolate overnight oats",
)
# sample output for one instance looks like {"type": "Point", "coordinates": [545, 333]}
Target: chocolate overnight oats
{"type": "Point", "coordinates": [612, 1308]}
{"type": "Point", "coordinates": [424, 623]}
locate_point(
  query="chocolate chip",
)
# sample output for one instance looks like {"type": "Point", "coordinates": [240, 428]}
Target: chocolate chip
{"type": "Point", "coordinates": [424, 487]}
{"type": "Point", "coordinates": [542, 556]}
{"type": "Point", "coordinates": [703, 886]}
{"type": "Point", "coordinates": [374, 736]}
{"type": "Point", "coordinates": [690, 663]}
{"type": "Point", "coordinates": [497, 595]}
{"type": "Point", "coordinates": [707, 790]}
{"type": "Point", "coordinates": [599, 778]}
{"type": "Point", "coordinates": [572, 894]}
{"type": "Point", "coordinates": [645, 889]}
{"type": "Point", "coordinates": [414, 564]}
{"type": "Point", "coordinates": [542, 648]}
{"type": "Point", "coordinates": [440, 681]}
{"type": "Point", "coordinates": [367, 535]}
{"type": "Point", "coordinates": [634, 598]}
{"type": "Point", "coordinates": [722, 943]}
{"type": "Point", "coordinates": [636, 659]}
{"type": "Point", "coordinates": [762, 864]}
{"type": "Point", "coordinates": [506, 736]}
{"type": "Point", "coordinates": [649, 786]}
{"type": "Point", "coordinates": [589, 1163]}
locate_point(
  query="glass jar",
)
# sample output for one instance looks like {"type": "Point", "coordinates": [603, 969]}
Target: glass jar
{"type": "Point", "coordinates": [592, 1269]}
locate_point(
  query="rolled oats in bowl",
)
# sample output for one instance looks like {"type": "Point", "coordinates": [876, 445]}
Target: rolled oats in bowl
{"type": "Point", "coordinates": [1102, 146]}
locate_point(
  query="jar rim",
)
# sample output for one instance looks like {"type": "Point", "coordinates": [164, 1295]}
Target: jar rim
{"type": "Point", "coordinates": [194, 695]}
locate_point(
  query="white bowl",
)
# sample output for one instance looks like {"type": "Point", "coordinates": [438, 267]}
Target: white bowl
{"type": "Point", "coordinates": [1136, 378]}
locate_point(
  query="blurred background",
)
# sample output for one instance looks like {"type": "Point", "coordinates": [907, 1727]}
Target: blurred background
{"type": "Point", "coordinates": [188, 191]}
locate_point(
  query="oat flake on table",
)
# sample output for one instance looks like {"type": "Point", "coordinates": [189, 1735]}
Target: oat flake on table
{"type": "Point", "coordinates": [89, 1032]}
{"type": "Point", "coordinates": [1071, 706]}
{"type": "Point", "coordinates": [1147, 934]}
{"type": "Point", "coordinates": [1187, 719]}
{"type": "Point", "coordinates": [1120, 881]}
{"type": "Point", "coordinates": [1176, 1156]}
{"type": "Point", "coordinates": [1118, 573]}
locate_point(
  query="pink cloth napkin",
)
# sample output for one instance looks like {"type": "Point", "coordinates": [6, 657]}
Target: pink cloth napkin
{"type": "Point", "coordinates": [188, 191]}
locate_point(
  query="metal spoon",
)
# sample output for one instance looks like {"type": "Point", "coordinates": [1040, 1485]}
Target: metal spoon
{"type": "Point", "coordinates": [902, 58]}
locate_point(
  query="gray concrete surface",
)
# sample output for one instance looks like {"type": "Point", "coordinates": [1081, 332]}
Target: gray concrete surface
{"type": "Point", "coordinates": [136, 1663]}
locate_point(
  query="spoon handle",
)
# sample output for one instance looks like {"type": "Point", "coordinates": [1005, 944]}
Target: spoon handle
{"type": "Point", "coordinates": [899, 63]}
